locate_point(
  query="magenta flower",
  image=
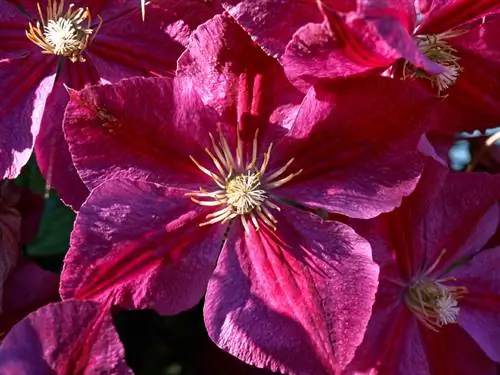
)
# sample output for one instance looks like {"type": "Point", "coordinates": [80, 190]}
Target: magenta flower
{"type": "Point", "coordinates": [436, 311]}
{"type": "Point", "coordinates": [67, 338]}
{"type": "Point", "coordinates": [189, 198]}
{"type": "Point", "coordinates": [453, 52]}
{"type": "Point", "coordinates": [76, 45]}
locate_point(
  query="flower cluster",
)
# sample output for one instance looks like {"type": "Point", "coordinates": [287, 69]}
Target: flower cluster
{"type": "Point", "coordinates": [285, 162]}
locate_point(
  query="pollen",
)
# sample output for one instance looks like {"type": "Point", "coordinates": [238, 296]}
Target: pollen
{"type": "Point", "coordinates": [63, 31]}
{"type": "Point", "coordinates": [433, 302]}
{"type": "Point", "coordinates": [241, 187]}
{"type": "Point", "coordinates": [437, 49]}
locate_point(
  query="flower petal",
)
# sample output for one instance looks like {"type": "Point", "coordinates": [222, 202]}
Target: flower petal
{"type": "Point", "coordinates": [296, 300]}
{"type": "Point", "coordinates": [113, 131]}
{"type": "Point", "coordinates": [64, 338]}
{"type": "Point", "coordinates": [340, 150]}
{"type": "Point", "coordinates": [480, 307]}
{"type": "Point", "coordinates": [260, 18]}
{"type": "Point", "coordinates": [141, 243]}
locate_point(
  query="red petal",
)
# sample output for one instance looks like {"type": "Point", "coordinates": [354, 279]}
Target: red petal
{"type": "Point", "coordinates": [339, 150]}
{"type": "Point", "coordinates": [114, 131]}
{"type": "Point", "coordinates": [139, 244]}
{"type": "Point", "coordinates": [296, 300]}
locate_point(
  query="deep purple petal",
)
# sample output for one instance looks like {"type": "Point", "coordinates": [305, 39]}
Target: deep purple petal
{"type": "Point", "coordinates": [65, 338]}
{"type": "Point", "coordinates": [296, 300]}
{"type": "Point", "coordinates": [140, 244]}
{"type": "Point", "coordinates": [138, 128]}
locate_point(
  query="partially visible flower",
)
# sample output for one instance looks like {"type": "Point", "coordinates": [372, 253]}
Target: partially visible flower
{"type": "Point", "coordinates": [452, 52]}
{"type": "Point", "coordinates": [190, 196]}
{"type": "Point", "coordinates": [436, 309]}
{"type": "Point", "coordinates": [76, 45]}
{"type": "Point", "coordinates": [66, 338]}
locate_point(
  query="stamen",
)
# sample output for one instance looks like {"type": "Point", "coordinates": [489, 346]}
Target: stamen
{"type": "Point", "coordinates": [437, 49]}
{"type": "Point", "coordinates": [243, 190]}
{"type": "Point", "coordinates": [62, 33]}
{"type": "Point", "coordinates": [434, 303]}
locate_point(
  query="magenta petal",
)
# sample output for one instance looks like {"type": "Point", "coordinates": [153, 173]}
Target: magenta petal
{"type": "Point", "coordinates": [339, 149]}
{"type": "Point", "coordinates": [296, 300]}
{"type": "Point", "coordinates": [24, 78]}
{"type": "Point", "coordinates": [138, 128]}
{"type": "Point", "coordinates": [480, 308]}
{"type": "Point", "coordinates": [139, 244]}
{"type": "Point", "coordinates": [261, 19]}
{"type": "Point", "coordinates": [65, 338]}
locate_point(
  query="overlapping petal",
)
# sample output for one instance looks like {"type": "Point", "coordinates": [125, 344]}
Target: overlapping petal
{"type": "Point", "coordinates": [140, 244]}
{"type": "Point", "coordinates": [295, 300]}
{"type": "Point", "coordinates": [357, 163]}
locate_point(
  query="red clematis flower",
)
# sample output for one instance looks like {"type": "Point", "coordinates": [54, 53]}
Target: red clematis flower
{"type": "Point", "coordinates": [453, 52]}
{"type": "Point", "coordinates": [183, 167]}
{"type": "Point", "coordinates": [77, 44]}
{"type": "Point", "coordinates": [436, 310]}
{"type": "Point", "coordinates": [66, 338]}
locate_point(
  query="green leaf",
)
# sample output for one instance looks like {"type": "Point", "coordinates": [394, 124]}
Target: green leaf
{"type": "Point", "coordinates": [55, 229]}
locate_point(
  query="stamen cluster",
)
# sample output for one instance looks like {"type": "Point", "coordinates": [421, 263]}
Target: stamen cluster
{"type": "Point", "coordinates": [437, 49]}
{"type": "Point", "coordinates": [61, 32]}
{"type": "Point", "coordinates": [243, 188]}
{"type": "Point", "coordinates": [434, 303]}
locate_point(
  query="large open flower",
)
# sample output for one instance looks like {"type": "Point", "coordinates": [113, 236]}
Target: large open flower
{"type": "Point", "coordinates": [76, 44]}
{"type": "Point", "coordinates": [190, 177]}
{"type": "Point", "coordinates": [436, 311]}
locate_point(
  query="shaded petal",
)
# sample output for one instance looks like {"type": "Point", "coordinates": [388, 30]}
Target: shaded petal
{"type": "Point", "coordinates": [467, 358]}
{"type": "Point", "coordinates": [340, 150]}
{"type": "Point", "coordinates": [460, 218]}
{"type": "Point", "coordinates": [27, 288]}
{"type": "Point", "coordinates": [64, 338]}
{"type": "Point", "coordinates": [445, 15]}
{"type": "Point", "coordinates": [141, 244]}
{"type": "Point", "coordinates": [125, 46]}
{"type": "Point", "coordinates": [113, 131]}
{"type": "Point", "coordinates": [480, 308]}
{"type": "Point", "coordinates": [392, 342]}
{"type": "Point", "coordinates": [51, 149]}
{"type": "Point", "coordinates": [296, 300]}
{"type": "Point", "coordinates": [26, 80]}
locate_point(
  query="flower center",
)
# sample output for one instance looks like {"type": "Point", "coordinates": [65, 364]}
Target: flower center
{"type": "Point", "coordinates": [437, 49]}
{"type": "Point", "coordinates": [242, 187]}
{"type": "Point", "coordinates": [62, 32]}
{"type": "Point", "coordinates": [434, 303]}
{"type": "Point", "coordinates": [244, 192]}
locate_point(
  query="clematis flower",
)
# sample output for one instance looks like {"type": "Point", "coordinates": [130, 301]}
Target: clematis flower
{"type": "Point", "coordinates": [190, 179]}
{"type": "Point", "coordinates": [71, 337]}
{"type": "Point", "coordinates": [452, 52]}
{"type": "Point", "coordinates": [436, 309]}
{"type": "Point", "coordinates": [75, 45]}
